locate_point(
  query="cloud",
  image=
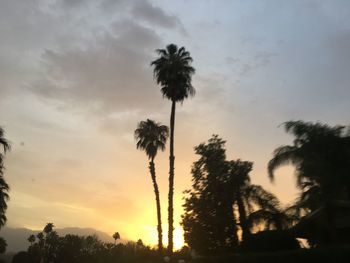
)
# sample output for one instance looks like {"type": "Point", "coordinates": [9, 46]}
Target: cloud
{"type": "Point", "coordinates": [156, 16]}
{"type": "Point", "coordinates": [111, 73]}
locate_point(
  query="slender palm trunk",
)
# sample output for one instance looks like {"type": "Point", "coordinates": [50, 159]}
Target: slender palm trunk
{"type": "Point", "coordinates": [243, 217]}
{"type": "Point", "coordinates": [159, 217]}
{"type": "Point", "coordinates": [171, 180]}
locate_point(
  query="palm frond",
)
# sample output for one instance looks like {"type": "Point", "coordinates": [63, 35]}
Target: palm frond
{"type": "Point", "coordinates": [282, 155]}
{"type": "Point", "coordinates": [173, 72]}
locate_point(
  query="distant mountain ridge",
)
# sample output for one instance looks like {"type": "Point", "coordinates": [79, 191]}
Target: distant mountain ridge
{"type": "Point", "coordinates": [16, 238]}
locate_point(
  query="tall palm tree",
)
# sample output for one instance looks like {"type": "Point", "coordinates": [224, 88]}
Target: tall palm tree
{"type": "Point", "coordinates": [4, 187]}
{"type": "Point", "coordinates": [173, 72]}
{"type": "Point", "coordinates": [152, 136]}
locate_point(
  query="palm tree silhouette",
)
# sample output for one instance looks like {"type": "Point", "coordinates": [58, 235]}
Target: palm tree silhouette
{"type": "Point", "coordinates": [173, 71]}
{"type": "Point", "coordinates": [150, 137]}
{"type": "Point", "coordinates": [256, 206]}
{"type": "Point", "coordinates": [4, 187]}
{"type": "Point", "coordinates": [320, 154]}
{"type": "Point", "coordinates": [116, 236]}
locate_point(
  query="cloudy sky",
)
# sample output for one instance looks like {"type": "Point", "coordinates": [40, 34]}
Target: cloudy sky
{"type": "Point", "coordinates": [75, 78]}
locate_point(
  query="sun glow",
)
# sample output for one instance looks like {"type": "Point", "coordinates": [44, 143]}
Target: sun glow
{"type": "Point", "coordinates": [178, 238]}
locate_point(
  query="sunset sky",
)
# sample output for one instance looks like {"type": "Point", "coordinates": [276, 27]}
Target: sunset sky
{"type": "Point", "coordinates": [75, 79]}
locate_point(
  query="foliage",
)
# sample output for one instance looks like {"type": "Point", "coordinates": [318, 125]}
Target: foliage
{"type": "Point", "coordinates": [209, 222]}
{"type": "Point", "coordinates": [151, 136]}
{"type": "Point", "coordinates": [321, 157]}
{"type": "Point", "coordinates": [271, 240]}
{"type": "Point", "coordinates": [221, 190]}
{"type": "Point", "coordinates": [3, 245]}
{"type": "Point", "coordinates": [88, 249]}
{"type": "Point", "coordinates": [116, 236]}
{"type": "Point", "coordinates": [173, 71]}
{"type": "Point", "coordinates": [4, 187]}
{"type": "Point", "coordinates": [338, 254]}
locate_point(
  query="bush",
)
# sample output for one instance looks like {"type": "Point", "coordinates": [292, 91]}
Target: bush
{"type": "Point", "coordinates": [268, 241]}
{"type": "Point", "coordinates": [335, 254]}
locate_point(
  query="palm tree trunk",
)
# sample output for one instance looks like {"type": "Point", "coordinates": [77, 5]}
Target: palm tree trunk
{"type": "Point", "coordinates": [243, 218]}
{"type": "Point", "coordinates": [171, 180]}
{"type": "Point", "coordinates": [159, 217]}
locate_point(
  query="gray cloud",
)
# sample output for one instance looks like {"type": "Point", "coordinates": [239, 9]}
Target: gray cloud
{"type": "Point", "coordinates": [111, 73]}
{"type": "Point", "coordinates": [155, 15]}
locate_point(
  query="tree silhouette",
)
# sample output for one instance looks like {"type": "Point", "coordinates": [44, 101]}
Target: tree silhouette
{"type": "Point", "coordinates": [116, 236]}
{"type": "Point", "coordinates": [256, 206]}
{"type": "Point", "coordinates": [31, 239]}
{"type": "Point", "coordinates": [150, 137]}
{"type": "Point", "coordinates": [221, 190]}
{"type": "Point", "coordinates": [321, 156]}
{"type": "Point", "coordinates": [48, 228]}
{"type": "Point", "coordinates": [3, 245]}
{"type": "Point", "coordinates": [173, 71]}
{"type": "Point", "coordinates": [4, 187]}
{"type": "Point", "coordinates": [209, 221]}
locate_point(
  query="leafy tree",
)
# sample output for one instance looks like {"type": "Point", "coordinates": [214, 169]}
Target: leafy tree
{"type": "Point", "coordinates": [150, 137]}
{"type": "Point", "coordinates": [4, 187]}
{"type": "Point", "coordinates": [116, 236]}
{"type": "Point", "coordinates": [209, 221]}
{"type": "Point", "coordinates": [173, 71]}
{"type": "Point", "coordinates": [221, 190]}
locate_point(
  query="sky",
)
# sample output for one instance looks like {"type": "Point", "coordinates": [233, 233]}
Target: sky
{"type": "Point", "coordinates": [75, 79]}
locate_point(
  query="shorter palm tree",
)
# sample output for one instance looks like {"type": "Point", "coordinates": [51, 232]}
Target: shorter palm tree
{"type": "Point", "coordinates": [255, 205]}
{"type": "Point", "coordinates": [150, 137]}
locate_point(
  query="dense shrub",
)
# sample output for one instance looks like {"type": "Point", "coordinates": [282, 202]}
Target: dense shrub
{"type": "Point", "coordinates": [271, 240]}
